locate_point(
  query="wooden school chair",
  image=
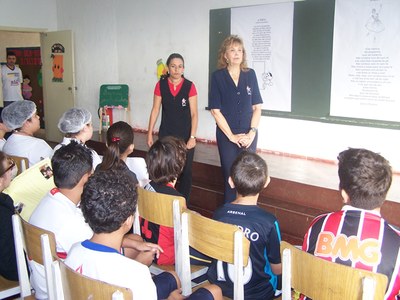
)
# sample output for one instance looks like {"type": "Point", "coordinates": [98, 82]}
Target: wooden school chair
{"type": "Point", "coordinates": [163, 210]}
{"type": "Point", "coordinates": [221, 241]}
{"type": "Point", "coordinates": [71, 285]}
{"type": "Point", "coordinates": [8, 288]}
{"type": "Point", "coordinates": [29, 239]}
{"type": "Point", "coordinates": [30, 187]}
{"type": "Point", "coordinates": [22, 163]}
{"type": "Point", "coordinates": [321, 279]}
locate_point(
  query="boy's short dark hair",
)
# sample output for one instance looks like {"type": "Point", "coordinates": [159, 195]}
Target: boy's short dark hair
{"type": "Point", "coordinates": [249, 173]}
{"type": "Point", "coordinates": [108, 199]}
{"type": "Point", "coordinates": [11, 53]}
{"type": "Point", "coordinates": [166, 159]}
{"type": "Point", "coordinates": [70, 163]}
{"type": "Point", "coordinates": [365, 176]}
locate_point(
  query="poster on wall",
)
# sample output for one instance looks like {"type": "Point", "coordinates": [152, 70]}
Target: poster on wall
{"type": "Point", "coordinates": [30, 62]}
{"type": "Point", "coordinates": [267, 32]}
{"type": "Point", "coordinates": [57, 55]}
{"type": "Point", "coordinates": [366, 60]}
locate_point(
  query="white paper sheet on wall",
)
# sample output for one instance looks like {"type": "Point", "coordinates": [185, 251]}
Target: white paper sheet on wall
{"type": "Point", "coordinates": [267, 32]}
{"type": "Point", "coordinates": [366, 61]}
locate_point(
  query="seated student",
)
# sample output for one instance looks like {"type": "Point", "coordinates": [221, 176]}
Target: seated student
{"type": "Point", "coordinates": [119, 146]}
{"type": "Point", "coordinates": [76, 125]}
{"type": "Point", "coordinates": [3, 131]}
{"type": "Point", "coordinates": [165, 161]}
{"type": "Point", "coordinates": [21, 117]}
{"type": "Point", "coordinates": [8, 263]}
{"type": "Point", "coordinates": [357, 235]}
{"type": "Point", "coordinates": [249, 175]}
{"type": "Point", "coordinates": [59, 210]}
{"type": "Point", "coordinates": [108, 204]}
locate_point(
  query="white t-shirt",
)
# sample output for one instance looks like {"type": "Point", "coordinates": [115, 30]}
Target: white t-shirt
{"type": "Point", "coordinates": [96, 158]}
{"type": "Point", "coordinates": [58, 214]}
{"type": "Point", "coordinates": [2, 142]}
{"type": "Point", "coordinates": [34, 149]}
{"type": "Point", "coordinates": [12, 80]}
{"type": "Point", "coordinates": [108, 265]}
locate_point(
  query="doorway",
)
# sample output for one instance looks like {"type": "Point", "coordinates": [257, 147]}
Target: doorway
{"type": "Point", "coordinates": [57, 72]}
{"type": "Point", "coordinates": [26, 46]}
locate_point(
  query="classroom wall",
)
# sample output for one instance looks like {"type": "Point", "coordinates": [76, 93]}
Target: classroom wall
{"type": "Point", "coordinates": [94, 25]}
{"type": "Point", "coordinates": [120, 41]}
{"type": "Point", "coordinates": [17, 39]}
{"type": "Point", "coordinates": [28, 14]}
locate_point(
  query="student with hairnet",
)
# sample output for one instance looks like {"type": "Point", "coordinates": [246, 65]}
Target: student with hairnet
{"type": "Point", "coordinates": [3, 131]}
{"type": "Point", "coordinates": [22, 119]}
{"type": "Point", "coordinates": [76, 125]}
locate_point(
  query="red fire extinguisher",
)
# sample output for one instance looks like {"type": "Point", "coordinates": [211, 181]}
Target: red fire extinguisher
{"type": "Point", "coordinates": [106, 117]}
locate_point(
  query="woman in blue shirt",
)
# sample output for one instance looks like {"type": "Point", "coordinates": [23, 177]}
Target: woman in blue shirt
{"type": "Point", "coordinates": [235, 103]}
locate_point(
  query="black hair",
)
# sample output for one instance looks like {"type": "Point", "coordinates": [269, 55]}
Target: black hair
{"type": "Point", "coordinates": [108, 199]}
{"type": "Point", "coordinates": [70, 163]}
{"type": "Point", "coordinates": [171, 57]}
{"type": "Point", "coordinates": [175, 55]}
{"type": "Point", "coordinates": [119, 138]}
{"type": "Point", "coordinates": [11, 53]}
{"type": "Point", "coordinates": [249, 173]}
{"type": "Point", "coordinates": [166, 159]}
{"type": "Point", "coordinates": [365, 176]}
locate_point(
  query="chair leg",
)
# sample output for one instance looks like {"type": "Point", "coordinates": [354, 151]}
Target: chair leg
{"type": "Point", "coordinates": [21, 262]}
{"type": "Point", "coordinates": [286, 274]}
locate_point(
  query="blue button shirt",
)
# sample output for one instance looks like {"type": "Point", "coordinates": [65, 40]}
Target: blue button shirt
{"type": "Point", "coordinates": [235, 102]}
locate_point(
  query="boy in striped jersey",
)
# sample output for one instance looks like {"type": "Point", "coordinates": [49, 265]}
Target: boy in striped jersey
{"type": "Point", "coordinates": [357, 235]}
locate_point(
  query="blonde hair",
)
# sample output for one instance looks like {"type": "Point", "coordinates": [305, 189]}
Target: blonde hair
{"type": "Point", "coordinates": [230, 40]}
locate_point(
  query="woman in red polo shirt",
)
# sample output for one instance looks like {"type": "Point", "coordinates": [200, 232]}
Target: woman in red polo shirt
{"type": "Point", "coordinates": [178, 98]}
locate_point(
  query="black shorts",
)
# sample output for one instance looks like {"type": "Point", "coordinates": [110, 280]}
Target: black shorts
{"type": "Point", "coordinates": [166, 283]}
{"type": "Point", "coordinates": [201, 294]}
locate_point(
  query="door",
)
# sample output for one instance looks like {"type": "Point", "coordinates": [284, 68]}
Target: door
{"type": "Point", "coordinates": [58, 79]}
{"type": "Point", "coordinates": [1, 91]}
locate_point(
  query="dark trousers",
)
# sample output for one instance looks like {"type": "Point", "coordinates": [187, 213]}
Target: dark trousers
{"type": "Point", "coordinates": [228, 152]}
{"type": "Point", "coordinates": [184, 185]}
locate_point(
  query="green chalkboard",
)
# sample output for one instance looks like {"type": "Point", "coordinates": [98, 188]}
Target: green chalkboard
{"type": "Point", "coordinates": [220, 28]}
{"type": "Point", "coordinates": [114, 95]}
{"type": "Point", "coordinates": [311, 62]}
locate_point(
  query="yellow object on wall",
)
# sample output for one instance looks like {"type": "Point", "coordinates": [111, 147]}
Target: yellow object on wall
{"type": "Point", "coordinates": [161, 68]}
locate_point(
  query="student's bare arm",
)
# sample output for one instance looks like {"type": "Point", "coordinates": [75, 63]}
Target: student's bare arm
{"type": "Point", "coordinates": [276, 269]}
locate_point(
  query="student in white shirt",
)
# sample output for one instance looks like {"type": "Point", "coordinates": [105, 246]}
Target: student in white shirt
{"type": "Point", "coordinates": [3, 131]}
{"type": "Point", "coordinates": [21, 117]}
{"type": "Point", "coordinates": [108, 204]}
{"type": "Point", "coordinates": [59, 210]}
{"type": "Point", "coordinates": [76, 125]}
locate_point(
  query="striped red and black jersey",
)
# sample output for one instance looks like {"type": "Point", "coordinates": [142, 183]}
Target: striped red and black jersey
{"type": "Point", "coordinates": [360, 239]}
{"type": "Point", "coordinates": [157, 234]}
